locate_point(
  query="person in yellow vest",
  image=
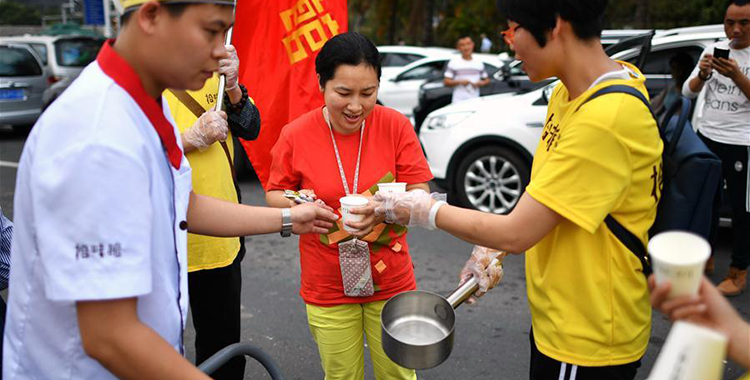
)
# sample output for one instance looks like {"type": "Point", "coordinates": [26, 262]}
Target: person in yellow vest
{"type": "Point", "coordinates": [214, 272]}
{"type": "Point", "coordinates": [597, 159]}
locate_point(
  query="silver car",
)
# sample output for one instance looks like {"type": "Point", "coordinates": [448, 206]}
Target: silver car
{"type": "Point", "coordinates": [64, 56]}
{"type": "Point", "coordinates": [23, 80]}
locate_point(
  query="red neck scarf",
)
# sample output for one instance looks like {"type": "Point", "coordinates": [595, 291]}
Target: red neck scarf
{"type": "Point", "coordinates": [120, 71]}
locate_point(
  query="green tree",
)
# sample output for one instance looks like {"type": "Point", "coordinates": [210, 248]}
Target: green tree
{"type": "Point", "coordinates": [12, 13]}
{"type": "Point", "coordinates": [440, 22]}
{"type": "Point", "coordinates": [664, 14]}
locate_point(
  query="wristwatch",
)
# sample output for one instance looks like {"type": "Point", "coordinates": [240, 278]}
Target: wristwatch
{"type": "Point", "coordinates": [286, 222]}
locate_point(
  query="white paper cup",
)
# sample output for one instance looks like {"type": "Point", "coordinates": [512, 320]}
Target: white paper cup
{"type": "Point", "coordinates": [679, 258]}
{"type": "Point", "coordinates": [392, 187]}
{"type": "Point", "coordinates": [691, 352]}
{"type": "Point", "coordinates": [349, 202]}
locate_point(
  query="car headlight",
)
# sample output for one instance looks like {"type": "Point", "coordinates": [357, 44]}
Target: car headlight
{"type": "Point", "coordinates": [447, 120]}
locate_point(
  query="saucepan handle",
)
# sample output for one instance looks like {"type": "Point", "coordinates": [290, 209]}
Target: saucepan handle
{"type": "Point", "coordinates": [466, 290]}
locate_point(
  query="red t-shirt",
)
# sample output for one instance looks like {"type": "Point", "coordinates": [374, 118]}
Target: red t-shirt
{"type": "Point", "coordinates": [303, 158]}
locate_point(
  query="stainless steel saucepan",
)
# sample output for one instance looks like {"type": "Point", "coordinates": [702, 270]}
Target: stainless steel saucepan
{"type": "Point", "coordinates": [417, 326]}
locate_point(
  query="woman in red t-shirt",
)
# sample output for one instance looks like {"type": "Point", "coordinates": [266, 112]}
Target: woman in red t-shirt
{"type": "Point", "coordinates": [348, 147]}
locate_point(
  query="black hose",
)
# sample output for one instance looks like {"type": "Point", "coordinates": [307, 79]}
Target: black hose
{"type": "Point", "coordinates": [222, 357]}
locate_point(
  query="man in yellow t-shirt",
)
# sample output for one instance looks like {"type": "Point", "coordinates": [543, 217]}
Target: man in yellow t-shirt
{"type": "Point", "coordinates": [588, 297]}
{"type": "Point", "coordinates": [587, 293]}
{"type": "Point", "coordinates": [214, 273]}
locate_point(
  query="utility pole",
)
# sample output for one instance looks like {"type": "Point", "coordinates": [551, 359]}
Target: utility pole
{"type": "Point", "coordinates": [107, 19]}
{"type": "Point", "coordinates": [642, 14]}
{"type": "Point", "coordinates": [393, 18]}
{"type": "Point", "coordinates": [430, 18]}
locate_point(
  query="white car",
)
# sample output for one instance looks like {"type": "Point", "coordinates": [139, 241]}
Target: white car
{"type": "Point", "coordinates": [394, 57]}
{"type": "Point", "coordinates": [481, 150]}
{"type": "Point", "coordinates": [401, 92]}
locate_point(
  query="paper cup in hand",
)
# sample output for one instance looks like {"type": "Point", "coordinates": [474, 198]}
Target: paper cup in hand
{"type": "Point", "coordinates": [350, 202]}
{"type": "Point", "coordinates": [679, 258]}
{"type": "Point", "coordinates": [691, 352]}
{"type": "Point", "coordinates": [392, 187]}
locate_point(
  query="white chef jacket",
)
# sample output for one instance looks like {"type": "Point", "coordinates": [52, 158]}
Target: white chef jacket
{"type": "Point", "coordinates": [100, 214]}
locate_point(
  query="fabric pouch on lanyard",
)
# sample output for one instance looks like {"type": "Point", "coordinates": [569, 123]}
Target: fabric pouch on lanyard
{"type": "Point", "coordinates": [354, 259]}
{"type": "Point", "coordinates": [354, 255]}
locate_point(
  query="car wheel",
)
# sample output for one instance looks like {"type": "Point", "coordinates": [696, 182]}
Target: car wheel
{"type": "Point", "coordinates": [491, 179]}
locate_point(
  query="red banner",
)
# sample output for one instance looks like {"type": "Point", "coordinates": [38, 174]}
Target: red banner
{"type": "Point", "coordinates": [277, 42]}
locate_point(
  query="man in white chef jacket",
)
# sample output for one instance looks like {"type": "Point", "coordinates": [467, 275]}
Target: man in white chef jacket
{"type": "Point", "coordinates": [98, 284]}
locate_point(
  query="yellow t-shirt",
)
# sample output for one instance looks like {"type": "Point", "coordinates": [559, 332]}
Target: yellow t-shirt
{"type": "Point", "coordinates": [587, 293]}
{"type": "Point", "coordinates": [212, 176]}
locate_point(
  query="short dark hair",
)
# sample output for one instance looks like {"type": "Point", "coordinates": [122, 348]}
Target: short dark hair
{"type": "Point", "coordinates": [682, 59]}
{"type": "Point", "coordinates": [346, 49]}
{"type": "Point", "coordinates": [739, 3]}
{"type": "Point", "coordinates": [174, 9]}
{"type": "Point", "coordinates": [540, 16]}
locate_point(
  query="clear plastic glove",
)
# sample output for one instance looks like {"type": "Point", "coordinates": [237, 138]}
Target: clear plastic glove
{"type": "Point", "coordinates": [230, 67]}
{"type": "Point", "coordinates": [411, 209]}
{"type": "Point", "coordinates": [212, 126]}
{"type": "Point", "coordinates": [478, 266]}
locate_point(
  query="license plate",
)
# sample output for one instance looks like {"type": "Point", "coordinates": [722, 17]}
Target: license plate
{"type": "Point", "coordinates": [11, 94]}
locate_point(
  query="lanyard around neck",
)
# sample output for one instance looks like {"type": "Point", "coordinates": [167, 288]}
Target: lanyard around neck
{"type": "Point", "coordinates": [338, 157]}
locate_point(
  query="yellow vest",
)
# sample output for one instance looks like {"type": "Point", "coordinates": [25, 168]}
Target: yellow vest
{"type": "Point", "coordinates": [587, 293]}
{"type": "Point", "coordinates": [212, 176]}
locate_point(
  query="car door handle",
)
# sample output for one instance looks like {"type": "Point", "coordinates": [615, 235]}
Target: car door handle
{"type": "Point", "coordinates": [535, 125]}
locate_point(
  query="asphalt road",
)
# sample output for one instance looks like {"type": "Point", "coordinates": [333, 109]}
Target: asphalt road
{"type": "Point", "coordinates": [491, 338]}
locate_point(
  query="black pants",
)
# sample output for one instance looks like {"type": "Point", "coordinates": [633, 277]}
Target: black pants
{"type": "Point", "coordinates": [545, 368]}
{"type": "Point", "coordinates": [215, 306]}
{"type": "Point", "coordinates": [734, 163]}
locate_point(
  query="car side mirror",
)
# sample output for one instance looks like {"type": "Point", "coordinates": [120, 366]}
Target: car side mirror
{"type": "Point", "coordinates": [504, 73]}
{"type": "Point", "coordinates": [546, 94]}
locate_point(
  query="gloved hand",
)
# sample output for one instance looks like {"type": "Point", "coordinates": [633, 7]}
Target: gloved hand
{"type": "Point", "coordinates": [411, 209]}
{"type": "Point", "coordinates": [478, 266]}
{"type": "Point", "coordinates": [230, 67]}
{"type": "Point", "coordinates": [212, 126]}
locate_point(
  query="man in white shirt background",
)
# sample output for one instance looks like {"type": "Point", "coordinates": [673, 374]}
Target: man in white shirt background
{"type": "Point", "coordinates": [722, 117]}
{"type": "Point", "coordinates": [486, 44]}
{"type": "Point", "coordinates": [465, 74]}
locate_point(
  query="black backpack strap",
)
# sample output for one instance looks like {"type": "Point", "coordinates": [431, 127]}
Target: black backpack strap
{"type": "Point", "coordinates": [631, 241]}
{"type": "Point", "coordinates": [682, 105]}
{"type": "Point", "coordinates": [623, 235]}
{"type": "Point", "coordinates": [620, 89]}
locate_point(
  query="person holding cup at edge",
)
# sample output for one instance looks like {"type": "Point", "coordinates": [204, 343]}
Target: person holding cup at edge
{"type": "Point", "coordinates": [597, 157]}
{"type": "Point", "coordinates": [344, 149]}
{"type": "Point", "coordinates": [709, 309]}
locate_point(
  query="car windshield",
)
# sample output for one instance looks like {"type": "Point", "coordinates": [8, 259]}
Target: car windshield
{"type": "Point", "coordinates": [18, 62]}
{"type": "Point", "coordinates": [76, 52]}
